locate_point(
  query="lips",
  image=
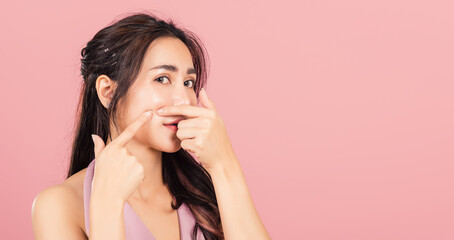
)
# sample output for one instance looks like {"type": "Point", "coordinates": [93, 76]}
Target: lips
{"type": "Point", "coordinates": [174, 122]}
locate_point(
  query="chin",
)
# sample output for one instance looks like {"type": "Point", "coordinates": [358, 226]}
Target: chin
{"type": "Point", "coordinates": [171, 148]}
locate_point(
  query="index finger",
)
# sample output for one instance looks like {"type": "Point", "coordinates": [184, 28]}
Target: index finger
{"type": "Point", "coordinates": [186, 110]}
{"type": "Point", "coordinates": [131, 130]}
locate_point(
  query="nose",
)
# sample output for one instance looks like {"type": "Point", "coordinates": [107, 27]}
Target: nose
{"type": "Point", "coordinates": [180, 96]}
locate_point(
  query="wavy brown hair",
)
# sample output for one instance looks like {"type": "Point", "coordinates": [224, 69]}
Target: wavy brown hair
{"type": "Point", "coordinates": [118, 51]}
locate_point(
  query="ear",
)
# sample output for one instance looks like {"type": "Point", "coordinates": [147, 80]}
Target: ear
{"type": "Point", "coordinates": [105, 88]}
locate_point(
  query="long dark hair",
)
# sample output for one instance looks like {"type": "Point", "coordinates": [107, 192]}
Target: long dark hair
{"type": "Point", "coordinates": [118, 51]}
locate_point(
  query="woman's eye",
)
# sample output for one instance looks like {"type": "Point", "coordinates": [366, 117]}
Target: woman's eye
{"type": "Point", "coordinates": [157, 79]}
{"type": "Point", "coordinates": [193, 82]}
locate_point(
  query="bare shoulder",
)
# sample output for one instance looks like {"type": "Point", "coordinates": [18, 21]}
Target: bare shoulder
{"type": "Point", "coordinates": [58, 211]}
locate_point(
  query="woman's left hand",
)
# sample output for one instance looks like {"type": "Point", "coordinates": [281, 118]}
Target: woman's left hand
{"type": "Point", "coordinates": [202, 132]}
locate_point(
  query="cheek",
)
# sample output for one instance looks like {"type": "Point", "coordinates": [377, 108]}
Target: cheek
{"type": "Point", "coordinates": [146, 99]}
{"type": "Point", "coordinates": [149, 134]}
{"type": "Point", "coordinates": [149, 98]}
{"type": "Point", "coordinates": [158, 98]}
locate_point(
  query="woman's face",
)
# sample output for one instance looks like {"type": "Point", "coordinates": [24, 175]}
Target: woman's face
{"type": "Point", "coordinates": [158, 86]}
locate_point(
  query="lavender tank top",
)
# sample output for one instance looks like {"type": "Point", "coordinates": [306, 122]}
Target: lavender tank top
{"type": "Point", "coordinates": [134, 227]}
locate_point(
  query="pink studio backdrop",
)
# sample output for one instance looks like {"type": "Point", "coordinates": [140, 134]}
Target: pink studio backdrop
{"type": "Point", "coordinates": [340, 112]}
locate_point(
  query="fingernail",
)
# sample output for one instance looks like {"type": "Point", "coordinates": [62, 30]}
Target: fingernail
{"type": "Point", "coordinates": [160, 110]}
{"type": "Point", "coordinates": [148, 114]}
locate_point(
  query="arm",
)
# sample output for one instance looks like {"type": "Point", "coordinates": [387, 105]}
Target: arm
{"type": "Point", "coordinates": [53, 215]}
{"type": "Point", "coordinates": [106, 218]}
{"type": "Point", "coordinates": [239, 217]}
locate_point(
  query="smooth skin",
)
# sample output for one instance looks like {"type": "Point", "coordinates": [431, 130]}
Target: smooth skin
{"type": "Point", "coordinates": [57, 212]}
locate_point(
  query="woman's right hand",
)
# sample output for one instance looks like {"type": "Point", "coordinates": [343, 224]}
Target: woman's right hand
{"type": "Point", "coordinates": [117, 172]}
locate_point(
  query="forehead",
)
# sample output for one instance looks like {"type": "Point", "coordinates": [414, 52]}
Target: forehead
{"type": "Point", "coordinates": [168, 50]}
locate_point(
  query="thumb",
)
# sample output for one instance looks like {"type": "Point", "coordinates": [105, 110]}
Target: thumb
{"type": "Point", "coordinates": [205, 101]}
{"type": "Point", "coordinates": [99, 144]}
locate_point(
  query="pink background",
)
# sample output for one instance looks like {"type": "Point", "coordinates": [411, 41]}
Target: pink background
{"type": "Point", "coordinates": [340, 112]}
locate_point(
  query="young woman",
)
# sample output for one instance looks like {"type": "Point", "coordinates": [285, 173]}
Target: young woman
{"type": "Point", "coordinates": [134, 178]}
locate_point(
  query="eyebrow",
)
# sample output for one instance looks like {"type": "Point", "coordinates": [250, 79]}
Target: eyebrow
{"type": "Point", "coordinates": [173, 68]}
